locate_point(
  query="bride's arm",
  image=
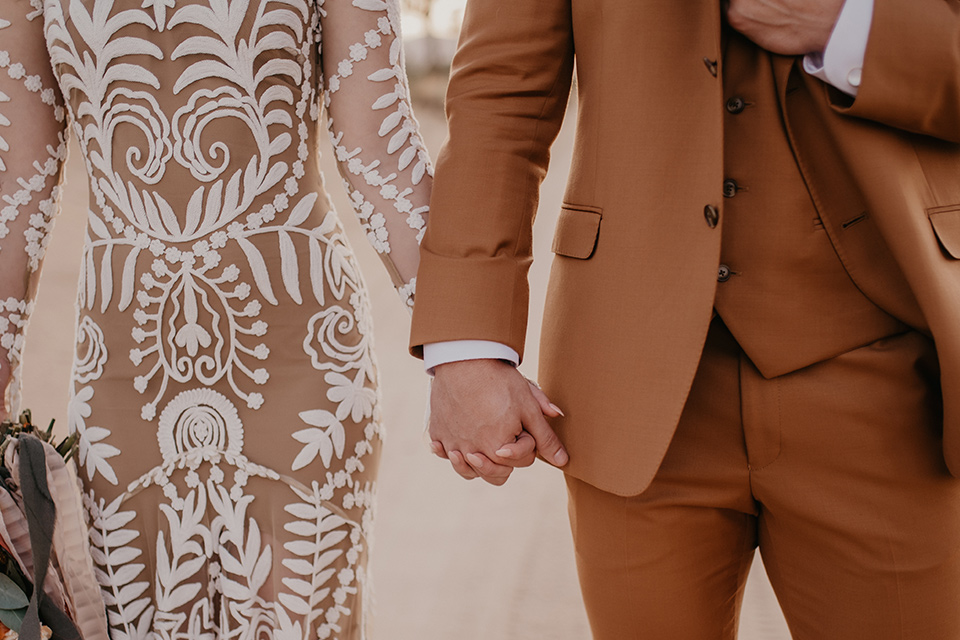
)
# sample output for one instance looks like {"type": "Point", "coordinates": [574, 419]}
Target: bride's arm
{"type": "Point", "coordinates": [32, 151]}
{"type": "Point", "coordinates": [375, 136]}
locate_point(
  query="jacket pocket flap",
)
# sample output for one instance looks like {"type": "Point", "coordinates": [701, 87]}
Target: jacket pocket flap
{"type": "Point", "coordinates": [577, 231]}
{"type": "Point", "coordinates": [946, 225]}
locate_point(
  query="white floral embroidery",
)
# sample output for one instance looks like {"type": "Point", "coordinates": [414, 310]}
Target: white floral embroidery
{"type": "Point", "coordinates": [94, 452]}
{"type": "Point", "coordinates": [355, 399]}
{"type": "Point", "coordinates": [326, 438]}
{"type": "Point", "coordinates": [196, 420]}
{"type": "Point", "coordinates": [91, 351]}
{"type": "Point", "coordinates": [40, 218]}
{"type": "Point", "coordinates": [14, 317]}
{"type": "Point", "coordinates": [399, 123]}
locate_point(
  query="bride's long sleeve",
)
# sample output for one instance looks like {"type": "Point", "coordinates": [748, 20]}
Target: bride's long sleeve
{"type": "Point", "coordinates": [32, 151]}
{"type": "Point", "coordinates": [376, 139]}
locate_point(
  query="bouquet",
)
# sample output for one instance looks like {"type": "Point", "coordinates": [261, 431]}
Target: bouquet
{"type": "Point", "coordinates": [47, 585]}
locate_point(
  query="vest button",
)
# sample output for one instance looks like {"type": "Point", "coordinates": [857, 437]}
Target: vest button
{"type": "Point", "coordinates": [730, 187]}
{"type": "Point", "coordinates": [735, 105]}
{"type": "Point", "coordinates": [723, 273]}
{"type": "Point", "coordinates": [712, 215]}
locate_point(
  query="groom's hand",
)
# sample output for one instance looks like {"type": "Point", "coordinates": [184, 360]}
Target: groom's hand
{"type": "Point", "coordinates": [787, 27]}
{"type": "Point", "coordinates": [487, 419]}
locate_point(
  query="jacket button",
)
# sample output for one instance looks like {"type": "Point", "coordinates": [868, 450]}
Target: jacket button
{"type": "Point", "coordinates": [712, 215]}
{"type": "Point", "coordinates": [723, 273]}
{"type": "Point", "coordinates": [711, 66]}
{"type": "Point", "coordinates": [730, 187]}
{"type": "Point", "coordinates": [735, 105]}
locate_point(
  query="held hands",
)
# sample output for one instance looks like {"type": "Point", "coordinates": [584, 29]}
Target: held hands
{"type": "Point", "coordinates": [787, 27]}
{"type": "Point", "coordinates": [487, 420]}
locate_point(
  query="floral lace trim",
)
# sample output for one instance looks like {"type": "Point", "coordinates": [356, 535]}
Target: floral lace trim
{"type": "Point", "coordinates": [42, 220]}
{"type": "Point", "coordinates": [14, 317]}
{"type": "Point", "coordinates": [405, 133]}
{"type": "Point", "coordinates": [407, 293]}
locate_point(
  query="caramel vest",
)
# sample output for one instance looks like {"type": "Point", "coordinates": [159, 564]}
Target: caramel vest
{"type": "Point", "coordinates": [782, 291]}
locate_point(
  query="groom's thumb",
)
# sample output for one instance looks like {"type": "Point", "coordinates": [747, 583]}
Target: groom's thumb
{"type": "Point", "coordinates": [548, 444]}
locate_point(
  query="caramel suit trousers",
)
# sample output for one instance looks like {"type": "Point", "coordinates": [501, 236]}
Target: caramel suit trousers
{"type": "Point", "coordinates": [835, 471]}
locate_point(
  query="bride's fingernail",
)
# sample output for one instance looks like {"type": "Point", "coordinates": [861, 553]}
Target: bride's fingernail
{"type": "Point", "coordinates": [557, 409]}
{"type": "Point", "coordinates": [475, 460]}
{"type": "Point", "coordinates": [561, 458]}
{"type": "Point", "coordinates": [504, 453]}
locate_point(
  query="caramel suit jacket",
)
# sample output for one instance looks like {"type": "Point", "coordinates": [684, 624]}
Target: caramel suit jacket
{"type": "Point", "coordinates": [638, 240]}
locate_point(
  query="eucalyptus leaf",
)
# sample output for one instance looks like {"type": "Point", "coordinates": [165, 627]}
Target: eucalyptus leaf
{"type": "Point", "coordinates": [11, 597]}
{"type": "Point", "coordinates": [13, 618]}
{"type": "Point", "coordinates": [9, 568]}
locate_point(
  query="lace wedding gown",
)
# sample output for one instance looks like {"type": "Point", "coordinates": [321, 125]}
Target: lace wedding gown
{"type": "Point", "coordinates": [224, 387]}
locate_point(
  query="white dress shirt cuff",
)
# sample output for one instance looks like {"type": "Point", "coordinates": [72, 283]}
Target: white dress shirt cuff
{"type": "Point", "coordinates": [438, 353]}
{"type": "Point", "coordinates": [841, 63]}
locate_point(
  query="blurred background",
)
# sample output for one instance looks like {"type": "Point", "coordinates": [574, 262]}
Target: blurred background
{"type": "Point", "coordinates": [452, 559]}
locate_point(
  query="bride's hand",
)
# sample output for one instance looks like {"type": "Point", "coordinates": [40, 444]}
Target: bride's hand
{"type": "Point", "coordinates": [524, 447]}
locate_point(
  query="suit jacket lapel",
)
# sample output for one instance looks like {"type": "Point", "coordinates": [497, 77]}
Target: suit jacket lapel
{"type": "Point", "coordinates": [782, 66]}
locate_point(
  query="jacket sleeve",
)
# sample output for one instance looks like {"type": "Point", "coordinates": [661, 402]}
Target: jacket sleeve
{"type": "Point", "coordinates": [911, 72]}
{"type": "Point", "coordinates": [508, 91]}
{"type": "Point", "coordinates": [32, 151]}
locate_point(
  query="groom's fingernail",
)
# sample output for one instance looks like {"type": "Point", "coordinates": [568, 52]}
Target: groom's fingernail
{"type": "Point", "coordinates": [557, 409]}
{"type": "Point", "coordinates": [475, 460]}
{"type": "Point", "coordinates": [561, 458]}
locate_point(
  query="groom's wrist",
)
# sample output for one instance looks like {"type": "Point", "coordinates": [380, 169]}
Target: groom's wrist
{"type": "Point", "coordinates": [841, 61]}
{"type": "Point", "coordinates": [438, 353]}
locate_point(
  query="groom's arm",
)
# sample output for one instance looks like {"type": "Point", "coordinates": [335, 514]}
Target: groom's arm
{"type": "Point", "coordinates": [911, 72]}
{"type": "Point", "coordinates": [508, 91]}
{"type": "Point", "coordinates": [910, 76]}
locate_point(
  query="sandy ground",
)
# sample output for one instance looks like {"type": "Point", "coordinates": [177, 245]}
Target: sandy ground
{"type": "Point", "coordinates": [452, 559]}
